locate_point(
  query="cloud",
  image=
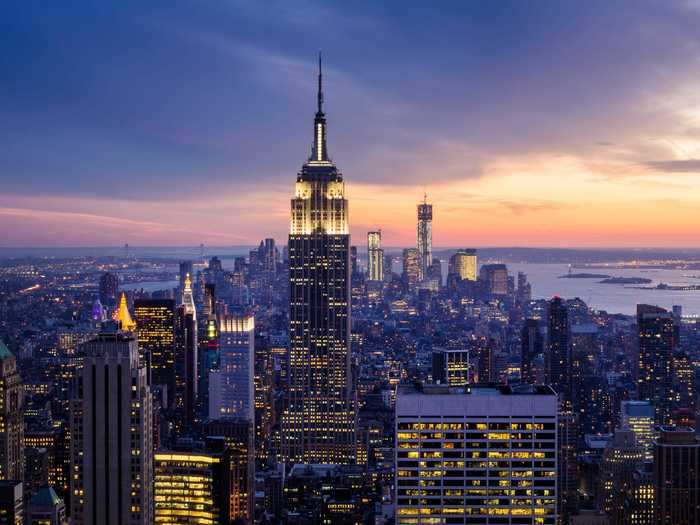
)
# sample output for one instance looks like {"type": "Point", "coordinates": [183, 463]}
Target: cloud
{"type": "Point", "coordinates": [675, 166]}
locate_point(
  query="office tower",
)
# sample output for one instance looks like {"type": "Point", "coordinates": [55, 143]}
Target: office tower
{"type": "Point", "coordinates": [524, 293]}
{"type": "Point", "coordinates": [567, 467]}
{"type": "Point", "coordinates": [186, 268]}
{"type": "Point", "coordinates": [155, 328]}
{"type": "Point", "coordinates": [476, 455]}
{"type": "Point", "coordinates": [375, 256]}
{"type": "Point", "coordinates": [531, 345]}
{"type": "Point", "coordinates": [318, 423]}
{"type": "Point", "coordinates": [482, 352]}
{"type": "Point", "coordinates": [46, 508]}
{"type": "Point", "coordinates": [185, 365]}
{"type": "Point", "coordinates": [683, 395]}
{"type": "Point", "coordinates": [238, 437]}
{"type": "Point", "coordinates": [677, 476]}
{"type": "Point", "coordinates": [272, 256]}
{"type": "Point", "coordinates": [463, 264]}
{"type": "Point", "coordinates": [639, 417]}
{"type": "Point", "coordinates": [451, 367]}
{"type": "Point", "coordinates": [424, 237]}
{"type": "Point", "coordinates": [657, 341]}
{"type": "Point", "coordinates": [123, 317]}
{"type": "Point", "coordinates": [11, 418]}
{"type": "Point", "coordinates": [495, 278]}
{"type": "Point", "coordinates": [411, 268]}
{"type": "Point", "coordinates": [109, 287]}
{"type": "Point", "coordinates": [231, 387]}
{"type": "Point", "coordinates": [559, 349]}
{"type": "Point", "coordinates": [192, 487]}
{"type": "Point", "coordinates": [112, 434]}
{"type": "Point", "coordinates": [621, 460]}
{"type": "Point", "coordinates": [11, 504]}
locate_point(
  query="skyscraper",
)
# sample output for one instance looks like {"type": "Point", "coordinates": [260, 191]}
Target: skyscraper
{"type": "Point", "coordinates": [231, 387]}
{"type": "Point", "coordinates": [677, 477]}
{"type": "Point", "coordinates": [424, 236]}
{"type": "Point", "coordinates": [155, 327]}
{"type": "Point", "coordinates": [657, 341]}
{"type": "Point", "coordinates": [463, 264]}
{"type": "Point", "coordinates": [375, 256]}
{"type": "Point", "coordinates": [11, 504]}
{"type": "Point", "coordinates": [318, 422]}
{"type": "Point", "coordinates": [186, 365]}
{"type": "Point", "coordinates": [639, 417]}
{"type": "Point", "coordinates": [112, 434]}
{"type": "Point", "coordinates": [186, 268]}
{"type": "Point", "coordinates": [531, 345]}
{"type": "Point", "coordinates": [411, 267]}
{"type": "Point", "coordinates": [193, 487]}
{"type": "Point", "coordinates": [476, 455]}
{"type": "Point", "coordinates": [495, 278]}
{"type": "Point", "coordinates": [11, 418]}
{"type": "Point", "coordinates": [451, 367]}
{"type": "Point", "coordinates": [109, 286]}
{"type": "Point", "coordinates": [559, 349]}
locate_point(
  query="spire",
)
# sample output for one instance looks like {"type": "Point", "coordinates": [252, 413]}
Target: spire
{"type": "Point", "coordinates": [319, 154]}
{"type": "Point", "coordinates": [320, 86]}
{"type": "Point", "coordinates": [123, 316]}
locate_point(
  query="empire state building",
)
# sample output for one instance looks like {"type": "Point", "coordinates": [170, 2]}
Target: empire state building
{"type": "Point", "coordinates": [318, 423]}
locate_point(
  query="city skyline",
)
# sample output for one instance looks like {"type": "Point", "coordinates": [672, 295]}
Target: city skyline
{"type": "Point", "coordinates": [529, 126]}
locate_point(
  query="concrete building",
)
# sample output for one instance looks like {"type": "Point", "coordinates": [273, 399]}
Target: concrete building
{"type": "Point", "coordinates": [476, 455]}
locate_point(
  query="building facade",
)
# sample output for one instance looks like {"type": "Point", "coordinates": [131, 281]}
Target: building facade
{"type": "Point", "coordinates": [232, 386]}
{"type": "Point", "coordinates": [657, 342]}
{"type": "Point", "coordinates": [464, 264]}
{"type": "Point", "coordinates": [11, 418]}
{"type": "Point", "coordinates": [375, 256]}
{"type": "Point", "coordinates": [112, 435]}
{"type": "Point", "coordinates": [476, 455]}
{"type": "Point", "coordinates": [155, 328]}
{"type": "Point", "coordinates": [677, 476]}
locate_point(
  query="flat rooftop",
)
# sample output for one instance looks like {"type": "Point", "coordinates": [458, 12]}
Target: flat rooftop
{"type": "Point", "coordinates": [477, 390]}
{"type": "Point", "coordinates": [491, 401]}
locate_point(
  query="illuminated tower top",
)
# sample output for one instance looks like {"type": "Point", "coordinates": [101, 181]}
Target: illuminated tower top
{"type": "Point", "coordinates": [319, 205]}
{"type": "Point", "coordinates": [187, 298]}
{"type": "Point", "coordinates": [123, 316]}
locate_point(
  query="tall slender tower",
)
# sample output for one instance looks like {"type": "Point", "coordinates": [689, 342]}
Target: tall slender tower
{"type": "Point", "coordinates": [318, 423]}
{"type": "Point", "coordinates": [375, 256]}
{"type": "Point", "coordinates": [425, 236]}
{"type": "Point", "coordinates": [657, 343]}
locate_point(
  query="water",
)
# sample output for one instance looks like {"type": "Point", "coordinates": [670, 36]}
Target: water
{"type": "Point", "coordinates": [150, 286]}
{"type": "Point", "coordinates": [614, 298]}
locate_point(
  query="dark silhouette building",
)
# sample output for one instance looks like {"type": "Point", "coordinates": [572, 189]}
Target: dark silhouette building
{"type": "Point", "coordinates": [657, 341]}
{"type": "Point", "coordinates": [677, 477]}
{"type": "Point", "coordinates": [531, 345]}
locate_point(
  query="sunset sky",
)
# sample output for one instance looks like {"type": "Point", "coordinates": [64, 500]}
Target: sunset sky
{"type": "Point", "coordinates": [573, 123]}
